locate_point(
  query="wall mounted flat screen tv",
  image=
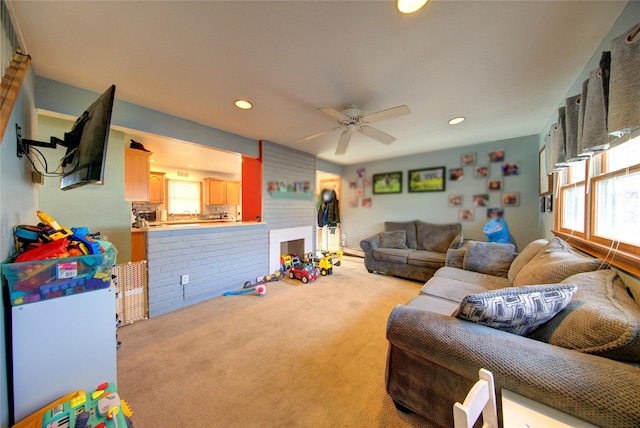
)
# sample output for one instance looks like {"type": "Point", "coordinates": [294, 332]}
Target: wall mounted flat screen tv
{"type": "Point", "coordinates": [84, 161]}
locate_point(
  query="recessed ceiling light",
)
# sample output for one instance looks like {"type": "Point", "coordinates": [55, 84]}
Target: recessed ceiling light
{"type": "Point", "coordinates": [189, 166]}
{"type": "Point", "coordinates": [456, 120]}
{"type": "Point", "coordinates": [410, 6]}
{"type": "Point", "coordinates": [243, 104]}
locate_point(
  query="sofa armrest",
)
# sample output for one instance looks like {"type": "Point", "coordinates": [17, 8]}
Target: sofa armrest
{"type": "Point", "coordinates": [371, 243]}
{"type": "Point", "coordinates": [590, 387]}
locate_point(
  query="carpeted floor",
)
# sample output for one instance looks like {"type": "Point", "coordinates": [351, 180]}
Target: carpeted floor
{"type": "Point", "coordinates": [302, 356]}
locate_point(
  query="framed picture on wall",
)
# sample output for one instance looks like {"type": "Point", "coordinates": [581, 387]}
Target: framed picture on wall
{"type": "Point", "coordinates": [510, 168]}
{"type": "Point", "coordinates": [549, 203]}
{"type": "Point", "coordinates": [496, 155]}
{"type": "Point", "coordinates": [545, 181]}
{"type": "Point", "coordinates": [494, 184]}
{"type": "Point", "coordinates": [456, 174]}
{"type": "Point", "coordinates": [481, 200]}
{"type": "Point", "coordinates": [490, 211]}
{"type": "Point", "coordinates": [481, 172]}
{"type": "Point", "coordinates": [427, 180]}
{"type": "Point", "coordinates": [468, 159]}
{"type": "Point", "coordinates": [510, 199]}
{"type": "Point", "coordinates": [455, 200]}
{"type": "Point", "coordinates": [387, 182]}
{"type": "Point", "coordinates": [466, 215]}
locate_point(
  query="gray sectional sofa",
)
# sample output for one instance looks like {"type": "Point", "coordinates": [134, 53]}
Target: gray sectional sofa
{"type": "Point", "coordinates": [413, 249]}
{"type": "Point", "coordinates": [583, 361]}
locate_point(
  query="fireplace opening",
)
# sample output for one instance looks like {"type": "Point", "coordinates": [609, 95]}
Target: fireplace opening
{"type": "Point", "coordinates": [295, 246]}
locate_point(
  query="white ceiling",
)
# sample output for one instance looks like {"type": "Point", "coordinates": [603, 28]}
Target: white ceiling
{"type": "Point", "coordinates": [504, 65]}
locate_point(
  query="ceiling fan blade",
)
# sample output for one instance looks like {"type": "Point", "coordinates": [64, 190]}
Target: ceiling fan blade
{"type": "Point", "coordinates": [333, 113]}
{"type": "Point", "coordinates": [389, 113]}
{"type": "Point", "coordinates": [317, 134]}
{"type": "Point", "coordinates": [377, 135]}
{"type": "Point", "coordinates": [343, 143]}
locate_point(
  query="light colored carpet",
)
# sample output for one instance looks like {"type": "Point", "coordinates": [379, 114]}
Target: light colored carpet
{"type": "Point", "coordinates": [302, 356]}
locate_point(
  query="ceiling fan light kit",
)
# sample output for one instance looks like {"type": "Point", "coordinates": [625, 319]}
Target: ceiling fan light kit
{"type": "Point", "coordinates": [352, 120]}
{"type": "Point", "coordinates": [410, 6]}
{"type": "Point", "coordinates": [456, 120]}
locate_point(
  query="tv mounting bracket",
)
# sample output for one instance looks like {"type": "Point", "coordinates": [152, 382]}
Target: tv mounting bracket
{"type": "Point", "coordinates": [23, 143]}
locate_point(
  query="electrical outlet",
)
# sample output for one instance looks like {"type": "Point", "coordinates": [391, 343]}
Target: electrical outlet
{"type": "Point", "coordinates": [184, 279]}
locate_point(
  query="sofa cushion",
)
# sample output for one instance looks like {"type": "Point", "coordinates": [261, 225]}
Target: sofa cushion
{"type": "Point", "coordinates": [518, 310]}
{"type": "Point", "coordinates": [529, 252]}
{"type": "Point", "coordinates": [453, 289]}
{"type": "Point", "coordinates": [436, 237]}
{"type": "Point", "coordinates": [554, 263]}
{"type": "Point", "coordinates": [602, 319]}
{"type": "Point", "coordinates": [455, 257]}
{"type": "Point", "coordinates": [391, 255]}
{"type": "Point", "coordinates": [426, 259]}
{"type": "Point", "coordinates": [408, 226]}
{"type": "Point", "coordinates": [458, 241]}
{"type": "Point", "coordinates": [433, 304]}
{"type": "Point", "coordinates": [394, 239]}
{"type": "Point", "coordinates": [489, 282]}
{"type": "Point", "coordinates": [491, 258]}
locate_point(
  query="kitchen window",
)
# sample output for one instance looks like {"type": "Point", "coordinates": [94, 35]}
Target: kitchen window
{"type": "Point", "coordinates": [184, 197]}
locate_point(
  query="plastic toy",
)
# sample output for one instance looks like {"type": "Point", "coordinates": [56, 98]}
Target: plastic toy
{"type": "Point", "coordinates": [260, 290]}
{"type": "Point", "coordinates": [50, 250]}
{"type": "Point", "coordinates": [324, 264]}
{"type": "Point", "coordinates": [52, 230]}
{"type": "Point", "coordinates": [87, 244]}
{"type": "Point", "coordinates": [285, 262]}
{"type": "Point", "coordinates": [264, 279]}
{"type": "Point", "coordinates": [304, 273]}
{"type": "Point", "coordinates": [99, 408]}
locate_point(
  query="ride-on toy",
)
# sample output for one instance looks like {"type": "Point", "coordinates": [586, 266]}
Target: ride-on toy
{"type": "Point", "coordinates": [304, 273]}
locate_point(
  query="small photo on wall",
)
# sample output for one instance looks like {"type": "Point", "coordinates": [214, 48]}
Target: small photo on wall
{"type": "Point", "coordinates": [496, 155]}
{"type": "Point", "coordinates": [353, 184]}
{"type": "Point", "coordinates": [510, 168]}
{"type": "Point", "coordinates": [468, 159]}
{"type": "Point", "coordinates": [466, 215]}
{"type": "Point", "coordinates": [543, 204]}
{"type": "Point", "coordinates": [366, 203]}
{"type": "Point", "coordinates": [353, 203]}
{"type": "Point", "coordinates": [455, 200]}
{"type": "Point", "coordinates": [360, 172]}
{"type": "Point", "coordinates": [498, 211]}
{"type": "Point", "coordinates": [481, 172]}
{"type": "Point", "coordinates": [456, 174]}
{"type": "Point", "coordinates": [359, 192]}
{"type": "Point", "coordinates": [549, 203]}
{"type": "Point", "coordinates": [510, 199]}
{"type": "Point", "coordinates": [494, 184]}
{"type": "Point", "coordinates": [481, 200]}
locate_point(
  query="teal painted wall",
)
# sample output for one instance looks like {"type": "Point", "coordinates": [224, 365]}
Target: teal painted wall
{"type": "Point", "coordinates": [629, 17]}
{"type": "Point", "coordinates": [99, 207]}
{"type": "Point", "coordinates": [360, 222]}
{"type": "Point", "coordinates": [18, 202]}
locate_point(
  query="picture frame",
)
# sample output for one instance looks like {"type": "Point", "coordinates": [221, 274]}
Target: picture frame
{"type": "Point", "coordinates": [510, 199]}
{"type": "Point", "coordinates": [481, 200]}
{"type": "Point", "coordinates": [496, 155]}
{"type": "Point", "coordinates": [490, 211]}
{"type": "Point", "coordinates": [466, 214]}
{"type": "Point", "coordinates": [549, 203]}
{"type": "Point", "coordinates": [494, 184]}
{"type": "Point", "coordinates": [481, 171]}
{"type": "Point", "coordinates": [456, 174]}
{"type": "Point", "coordinates": [455, 200]}
{"type": "Point", "coordinates": [545, 180]}
{"type": "Point", "coordinates": [387, 183]}
{"type": "Point", "coordinates": [359, 192]}
{"type": "Point", "coordinates": [543, 204]}
{"type": "Point", "coordinates": [467, 159]}
{"type": "Point", "coordinates": [510, 168]}
{"type": "Point", "coordinates": [366, 203]}
{"type": "Point", "coordinates": [427, 180]}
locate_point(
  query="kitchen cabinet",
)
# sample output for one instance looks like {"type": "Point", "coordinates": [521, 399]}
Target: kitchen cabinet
{"type": "Point", "coordinates": [221, 192]}
{"type": "Point", "coordinates": [138, 246]}
{"type": "Point", "coordinates": [156, 188]}
{"type": "Point", "coordinates": [136, 175]}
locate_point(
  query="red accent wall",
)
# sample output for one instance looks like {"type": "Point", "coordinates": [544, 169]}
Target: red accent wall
{"type": "Point", "coordinates": [252, 187]}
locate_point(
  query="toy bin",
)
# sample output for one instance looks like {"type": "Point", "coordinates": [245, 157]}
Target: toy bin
{"type": "Point", "coordinates": [38, 280]}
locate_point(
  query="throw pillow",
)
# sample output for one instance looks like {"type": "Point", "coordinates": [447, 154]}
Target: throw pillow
{"type": "Point", "coordinates": [408, 226]}
{"type": "Point", "coordinates": [529, 252]}
{"type": "Point", "coordinates": [436, 237]}
{"type": "Point", "coordinates": [518, 310]}
{"type": "Point", "coordinates": [602, 319]}
{"type": "Point", "coordinates": [555, 263]}
{"type": "Point", "coordinates": [490, 258]}
{"type": "Point", "coordinates": [395, 239]}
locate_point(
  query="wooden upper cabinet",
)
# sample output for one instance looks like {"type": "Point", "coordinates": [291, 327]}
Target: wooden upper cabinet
{"type": "Point", "coordinates": [156, 188]}
{"type": "Point", "coordinates": [233, 193]}
{"type": "Point", "coordinates": [220, 192]}
{"type": "Point", "coordinates": [216, 192]}
{"type": "Point", "coordinates": [136, 175]}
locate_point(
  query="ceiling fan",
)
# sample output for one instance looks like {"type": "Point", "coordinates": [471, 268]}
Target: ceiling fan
{"type": "Point", "coordinates": [352, 120]}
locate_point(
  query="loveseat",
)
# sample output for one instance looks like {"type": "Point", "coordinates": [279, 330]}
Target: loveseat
{"type": "Point", "coordinates": [413, 249]}
{"type": "Point", "coordinates": [582, 361]}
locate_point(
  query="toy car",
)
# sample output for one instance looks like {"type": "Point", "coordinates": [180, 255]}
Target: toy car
{"type": "Point", "coordinates": [304, 273]}
{"type": "Point", "coordinates": [324, 264]}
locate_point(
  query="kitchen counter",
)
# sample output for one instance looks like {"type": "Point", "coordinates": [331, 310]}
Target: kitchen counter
{"type": "Point", "coordinates": [192, 224]}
